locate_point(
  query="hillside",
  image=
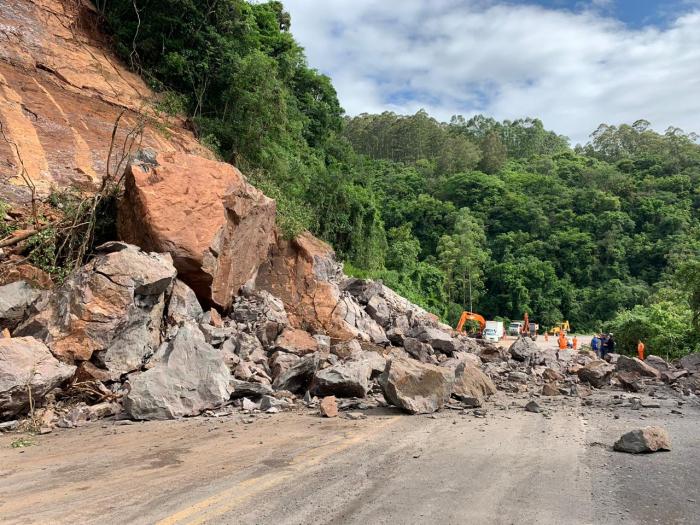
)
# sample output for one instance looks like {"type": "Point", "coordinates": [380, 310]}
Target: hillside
{"type": "Point", "coordinates": [503, 216]}
{"type": "Point", "coordinates": [499, 217]}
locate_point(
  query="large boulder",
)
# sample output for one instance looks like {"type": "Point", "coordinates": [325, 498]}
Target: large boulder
{"type": "Point", "coordinates": [438, 339]}
{"type": "Point", "coordinates": [349, 379]}
{"type": "Point", "coordinates": [491, 353]}
{"type": "Point", "coordinates": [417, 388]}
{"type": "Point", "coordinates": [297, 377]}
{"type": "Point", "coordinates": [110, 310]}
{"type": "Point", "coordinates": [596, 373]}
{"type": "Point", "coordinates": [15, 300]}
{"type": "Point", "coordinates": [648, 439]}
{"type": "Point", "coordinates": [657, 362]}
{"type": "Point", "coordinates": [691, 362]}
{"type": "Point", "coordinates": [26, 365]}
{"type": "Point", "coordinates": [637, 366]}
{"type": "Point", "coordinates": [189, 377]}
{"type": "Point", "coordinates": [523, 349]}
{"type": "Point", "coordinates": [303, 274]}
{"type": "Point", "coordinates": [471, 385]}
{"type": "Point", "coordinates": [217, 227]}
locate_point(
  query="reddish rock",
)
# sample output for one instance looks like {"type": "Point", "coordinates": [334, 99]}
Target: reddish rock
{"type": "Point", "coordinates": [329, 407]}
{"type": "Point", "coordinates": [301, 273]}
{"type": "Point", "coordinates": [296, 341]}
{"type": "Point", "coordinates": [61, 91]}
{"type": "Point", "coordinates": [216, 226]}
{"type": "Point", "coordinates": [550, 389]}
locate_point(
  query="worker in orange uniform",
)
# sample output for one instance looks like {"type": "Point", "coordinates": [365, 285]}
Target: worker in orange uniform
{"type": "Point", "coordinates": [562, 341]}
{"type": "Point", "coordinates": [575, 342]}
{"type": "Point", "coordinates": [640, 350]}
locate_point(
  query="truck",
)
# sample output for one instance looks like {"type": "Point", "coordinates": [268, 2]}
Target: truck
{"type": "Point", "coordinates": [515, 327]}
{"type": "Point", "coordinates": [493, 331]}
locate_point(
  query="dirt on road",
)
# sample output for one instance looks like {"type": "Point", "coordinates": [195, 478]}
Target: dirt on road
{"type": "Point", "coordinates": [505, 466]}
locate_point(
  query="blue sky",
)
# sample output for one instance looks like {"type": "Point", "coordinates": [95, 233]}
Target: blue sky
{"type": "Point", "coordinates": [633, 13]}
{"type": "Point", "coordinates": [572, 63]}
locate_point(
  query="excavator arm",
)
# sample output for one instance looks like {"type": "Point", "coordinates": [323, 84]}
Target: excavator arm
{"type": "Point", "coordinates": [470, 316]}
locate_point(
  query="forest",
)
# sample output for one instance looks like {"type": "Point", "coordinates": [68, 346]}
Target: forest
{"type": "Point", "coordinates": [498, 217]}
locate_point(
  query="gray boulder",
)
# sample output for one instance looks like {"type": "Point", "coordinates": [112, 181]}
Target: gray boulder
{"type": "Point", "coordinates": [491, 353]}
{"type": "Point", "coordinates": [190, 377]}
{"type": "Point", "coordinates": [417, 349]}
{"type": "Point", "coordinates": [110, 309]}
{"type": "Point", "coordinates": [523, 349]}
{"type": "Point", "coordinates": [648, 439]}
{"type": "Point", "coordinates": [417, 388]}
{"type": "Point", "coordinates": [349, 379]}
{"type": "Point", "coordinates": [439, 340]}
{"type": "Point", "coordinates": [657, 362]}
{"type": "Point", "coordinates": [471, 385]}
{"type": "Point", "coordinates": [691, 362]}
{"type": "Point", "coordinates": [248, 389]}
{"type": "Point", "coordinates": [596, 373]}
{"type": "Point", "coordinates": [378, 309]}
{"type": "Point", "coordinates": [298, 376]}
{"type": "Point", "coordinates": [635, 365]}
{"type": "Point", "coordinates": [27, 365]}
{"type": "Point", "coordinates": [183, 304]}
{"type": "Point", "coordinates": [15, 300]}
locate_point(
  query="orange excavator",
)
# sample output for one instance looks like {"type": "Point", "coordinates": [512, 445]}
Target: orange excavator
{"type": "Point", "coordinates": [471, 316]}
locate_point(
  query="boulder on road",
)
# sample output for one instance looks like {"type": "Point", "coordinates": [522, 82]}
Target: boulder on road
{"type": "Point", "coordinates": [417, 388]}
{"type": "Point", "coordinates": [596, 373]}
{"type": "Point", "coordinates": [328, 407]}
{"type": "Point", "coordinates": [27, 364]}
{"type": "Point", "coordinates": [217, 227]}
{"type": "Point", "coordinates": [471, 385]}
{"type": "Point", "coordinates": [691, 362]}
{"type": "Point", "coordinates": [635, 365]}
{"type": "Point", "coordinates": [190, 377]}
{"type": "Point", "coordinates": [297, 377]}
{"type": "Point", "coordinates": [523, 349]}
{"type": "Point", "coordinates": [657, 362]}
{"type": "Point", "coordinates": [15, 300]}
{"type": "Point", "coordinates": [248, 389]}
{"type": "Point", "coordinates": [109, 310]}
{"type": "Point", "coordinates": [648, 439]}
{"type": "Point", "coordinates": [349, 379]}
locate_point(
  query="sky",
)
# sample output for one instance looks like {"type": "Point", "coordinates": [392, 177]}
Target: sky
{"type": "Point", "coordinates": [572, 63]}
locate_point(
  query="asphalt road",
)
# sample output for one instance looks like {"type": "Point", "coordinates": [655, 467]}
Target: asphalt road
{"type": "Point", "coordinates": [295, 468]}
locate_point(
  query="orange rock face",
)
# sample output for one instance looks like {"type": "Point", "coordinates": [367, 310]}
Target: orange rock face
{"type": "Point", "coordinates": [216, 226]}
{"type": "Point", "coordinates": [61, 92]}
{"type": "Point", "coordinates": [300, 273]}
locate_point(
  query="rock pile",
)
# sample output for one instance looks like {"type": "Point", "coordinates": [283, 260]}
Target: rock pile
{"type": "Point", "coordinates": [212, 307]}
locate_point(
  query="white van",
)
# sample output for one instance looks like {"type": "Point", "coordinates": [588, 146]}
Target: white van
{"type": "Point", "coordinates": [493, 331]}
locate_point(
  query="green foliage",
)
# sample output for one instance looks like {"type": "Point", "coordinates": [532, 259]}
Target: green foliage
{"type": "Point", "coordinates": [22, 442]}
{"type": "Point", "coordinates": [664, 327]}
{"type": "Point", "coordinates": [5, 226]}
{"type": "Point", "coordinates": [503, 212]}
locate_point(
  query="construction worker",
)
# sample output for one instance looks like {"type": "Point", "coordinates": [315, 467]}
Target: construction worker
{"type": "Point", "coordinates": [546, 337]}
{"type": "Point", "coordinates": [640, 350]}
{"type": "Point", "coordinates": [562, 341]}
{"type": "Point", "coordinates": [595, 344]}
{"type": "Point", "coordinates": [575, 342]}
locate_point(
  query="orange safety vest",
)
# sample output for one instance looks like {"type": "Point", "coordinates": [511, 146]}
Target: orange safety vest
{"type": "Point", "coordinates": [640, 350]}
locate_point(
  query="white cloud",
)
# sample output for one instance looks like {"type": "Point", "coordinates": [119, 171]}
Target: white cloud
{"type": "Point", "coordinates": [572, 70]}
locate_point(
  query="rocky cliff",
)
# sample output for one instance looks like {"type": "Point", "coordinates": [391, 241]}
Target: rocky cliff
{"type": "Point", "coordinates": [61, 92]}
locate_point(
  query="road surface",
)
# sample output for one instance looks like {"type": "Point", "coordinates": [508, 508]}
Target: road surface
{"type": "Point", "coordinates": [509, 467]}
